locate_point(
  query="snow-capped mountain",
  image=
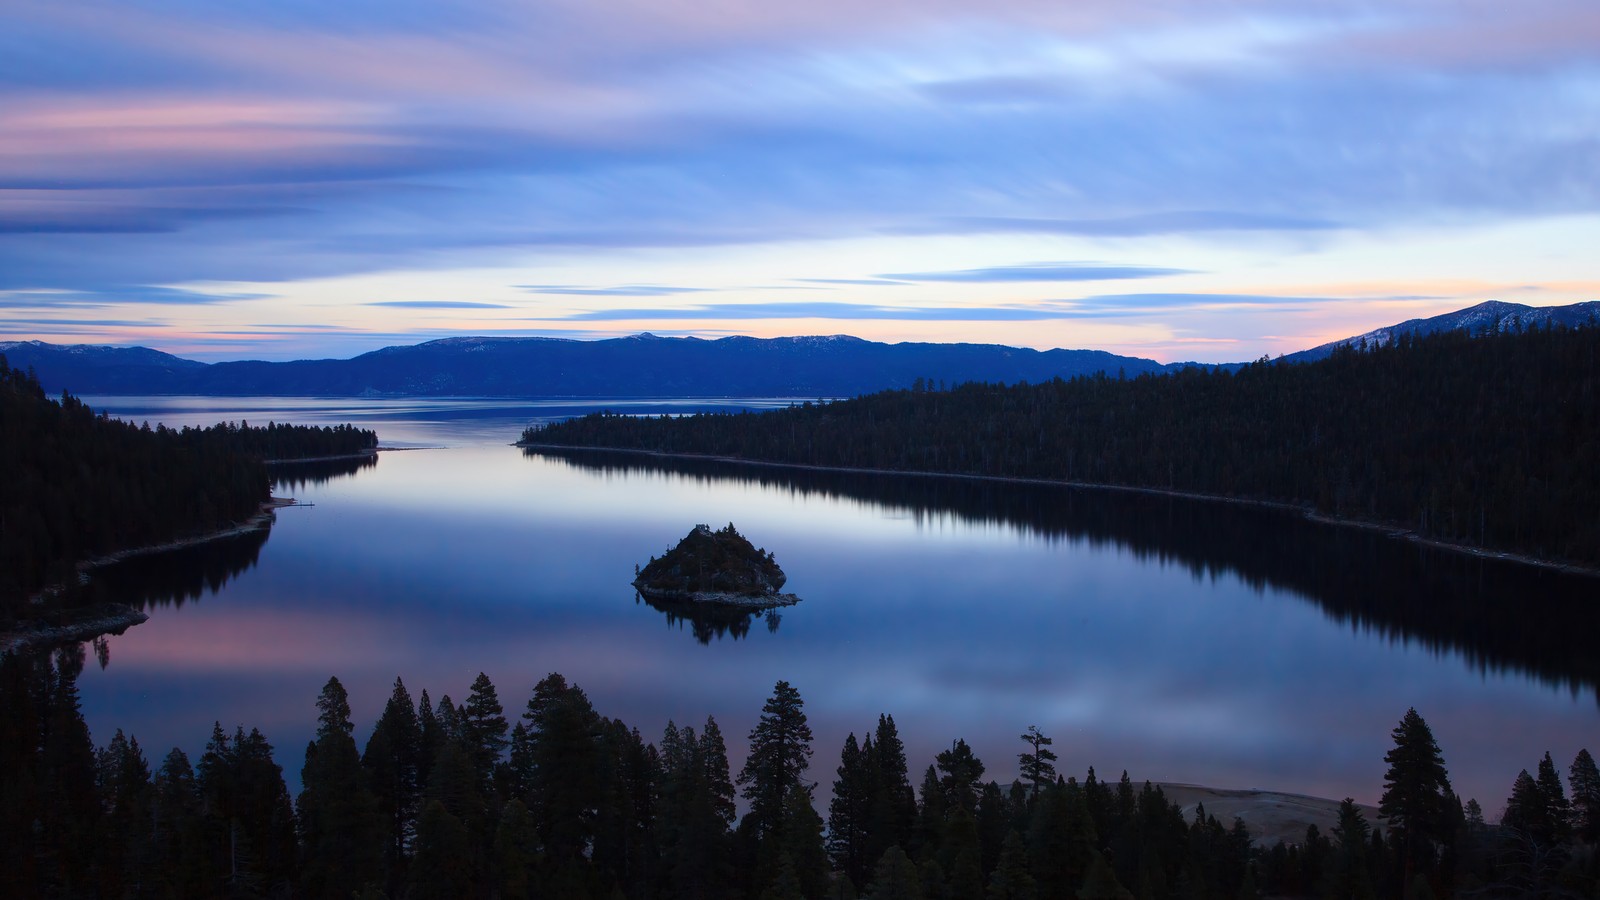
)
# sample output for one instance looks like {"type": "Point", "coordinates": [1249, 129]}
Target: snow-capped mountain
{"type": "Point", "coordinates": [1489, 316]}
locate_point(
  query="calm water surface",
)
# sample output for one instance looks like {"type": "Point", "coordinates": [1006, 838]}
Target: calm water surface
{"type": "Point", "coordinates": [1180, 641]}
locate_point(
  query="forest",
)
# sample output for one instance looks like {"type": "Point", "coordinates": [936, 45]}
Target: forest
{"type": "Point", "coordinates": [1488, 440]}
{"type": "Point", "coordinates": [454, 800]}
{"type": "Point", "coordinates": [80, 485]}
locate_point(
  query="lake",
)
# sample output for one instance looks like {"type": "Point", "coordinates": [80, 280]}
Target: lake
{"type": "Point", "coordinates": [1179, 640]}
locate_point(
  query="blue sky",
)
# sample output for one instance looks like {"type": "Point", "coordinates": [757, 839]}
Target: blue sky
{"type": "Point", "coordinates": [1178, 179]}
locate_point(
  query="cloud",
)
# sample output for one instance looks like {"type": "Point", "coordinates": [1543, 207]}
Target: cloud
{"type": "Point", "coordinates": [1155, 223]}
{"type": "Point", "coordinates": [172, 143]}
{"type": "Point", "coordinates": [832, 310]}
{"type": "Point", "coordinates": [1113, 302]}
{"type": "Point", "coordinates": [437, 304]}
{"type": "Point", "coordinates": [75, 326]}
{"type": "Point", "coordinates": [863, 282]}
{"type": "Point", "coordinates": [1099, 306]}
{"type": "Point", "coordinates": [1040, 272]}
{"type": "Point", "coordinates": [115, 295]}
{"type": "Point", "coordinates": [626, 290]}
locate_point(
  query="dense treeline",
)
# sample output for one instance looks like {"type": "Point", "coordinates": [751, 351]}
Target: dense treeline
{"type": "Point", "coordinates": [452, 800]}
{"type": "Point", "coordinates": [78, 485]}
{"type": "Point", "coordinates": [1492, 440]}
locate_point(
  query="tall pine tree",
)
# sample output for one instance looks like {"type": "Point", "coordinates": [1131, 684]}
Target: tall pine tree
{"type": "Point", "coordinates": [1416, 788]}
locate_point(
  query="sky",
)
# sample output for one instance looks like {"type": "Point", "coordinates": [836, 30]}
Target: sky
{"type": "Point", "coordinates": [1211, 180]}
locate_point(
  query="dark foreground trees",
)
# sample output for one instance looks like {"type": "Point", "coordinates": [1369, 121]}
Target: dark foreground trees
{"type": "Point", "coordinates": [577, 805]}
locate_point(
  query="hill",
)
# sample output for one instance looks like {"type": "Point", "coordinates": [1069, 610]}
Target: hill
{"type": "Point", "coordinates": [1489, 317]}
{"type": "Point", "coordinates": [638, 366]}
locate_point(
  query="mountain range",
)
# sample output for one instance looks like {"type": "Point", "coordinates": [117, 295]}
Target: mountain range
{"type": "Point", "coordinates": [1489, 316]}
{"type": "Point", "coordinates": [646, 365]}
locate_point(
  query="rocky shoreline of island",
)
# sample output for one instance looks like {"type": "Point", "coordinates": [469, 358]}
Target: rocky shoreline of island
{"type": "Point", "coordinates": [752, 602]}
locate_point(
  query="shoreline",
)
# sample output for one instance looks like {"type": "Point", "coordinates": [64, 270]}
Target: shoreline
{"type": "Point", "coordinates": [110, 618]}
{"type": "Point", "coordinates": [1307, 512]}
{"type": "Point", "coordinates": [720, 599]}
{"type": "Point", "coordinates": [265, 515]}
{"type": "Point", "coordinates": [116, 618]}
{"type": "Point", "coordinates": [364, 454]}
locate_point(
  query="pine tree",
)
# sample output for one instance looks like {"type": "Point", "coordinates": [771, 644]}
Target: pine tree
{"type": "Point", "coordinates": [564, 750]}
{"type": "Point", "coordinates": [801, 843]}
{"type": "Point", "coordinates": [454, 786]}
{"type": "Point", "coordinates": [1037, 764]}
{"type": "Point", "coordinates": [960, 855]}
{"type": "Point", "coordinates": [341, 833]}
{"type": "Point", "coordinates": [516, 778]}
{"type": "Point", "coordinates": [483, 726]}
{"type": "Point", "coordinates": [69, 808]}
{"type": "Point", "coordinates": [962, 773]}
{"type": "Point", "coordinates": [1061, 840]}
{"type": "Point", "coordinates": [430, 739]}
{"type": "Point", "coordinates": [392, 761]}
{"type": "Point", "coordinates": [249, 827]}
{"type": "Point", "coordinates": [930, 813]}
{"type": "Point", "coordinates": [1011, 879]}
{"type": "Point", "coordinates": [895, 878]}
{"type": "Point", "coordinates": [624, 850]}
{"type": "Point", "coordinates": [994, 822]}
{"type": "Point", "coordinates": [894, 803]}
{"type": "Point", "coordinates": [1100, 883]}
{"type": "Point", "coordinates": [1557, 812]}
{"type": "Point", "coordinates": [780, 753]}
{"type": "Point", "coordinates": [123, 780]}
{"type": "Point", "coordinates": [1349, 877]}
{"type": "Point", "coordinates": [1415, 791]}
{"type": "Point", "coordinates": [1585, 778]}
{"type": "Point", "coordinates": [177, 863]}
{"type": "Point", "coordinates": [515, 853]}
{"type": "Point", "coordinates": [442, 869]}
{"type": "Point", "coordinates": [849, 812]}
{"type": "Point", "coordinates": [1526, 812]}
{"type": "Point", "coordinates": [697, 806]}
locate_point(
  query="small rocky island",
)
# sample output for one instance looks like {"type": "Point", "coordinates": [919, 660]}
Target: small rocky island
{"type": "Point", "coordinates": [718, 567]}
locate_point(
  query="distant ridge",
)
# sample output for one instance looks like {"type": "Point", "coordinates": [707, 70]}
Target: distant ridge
{"type": "Point", "coordinates": [635, 366]}
{"type": "Point", "coordinates": [1490, 315]}
{"type": "Point", "coordinates": [644, 365]}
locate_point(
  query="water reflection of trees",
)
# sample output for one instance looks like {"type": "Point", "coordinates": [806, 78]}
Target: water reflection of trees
{"type": "Point", "coordinates": [178, 576]}
{"type": "Point", "coordinates": [1499, 616]}
{"type": "Point", "coordinates": [294, 475]}
{"type": "Point", "coordinates": [711, 620]}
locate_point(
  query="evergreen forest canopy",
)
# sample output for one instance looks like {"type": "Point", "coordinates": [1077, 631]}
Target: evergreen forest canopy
{"type": "Point", "coordinates": [448, 800]}
{"type": "Point", "coordinates": [79, 485]}
{"type": "Point", "coordinates": [1490, 440]}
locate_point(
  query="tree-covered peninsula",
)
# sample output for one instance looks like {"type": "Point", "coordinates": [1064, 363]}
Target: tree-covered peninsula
{"type": "Point", "coordinates": [79, 486]}
{"type": "Point", "coordinates": [1489, 440]}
